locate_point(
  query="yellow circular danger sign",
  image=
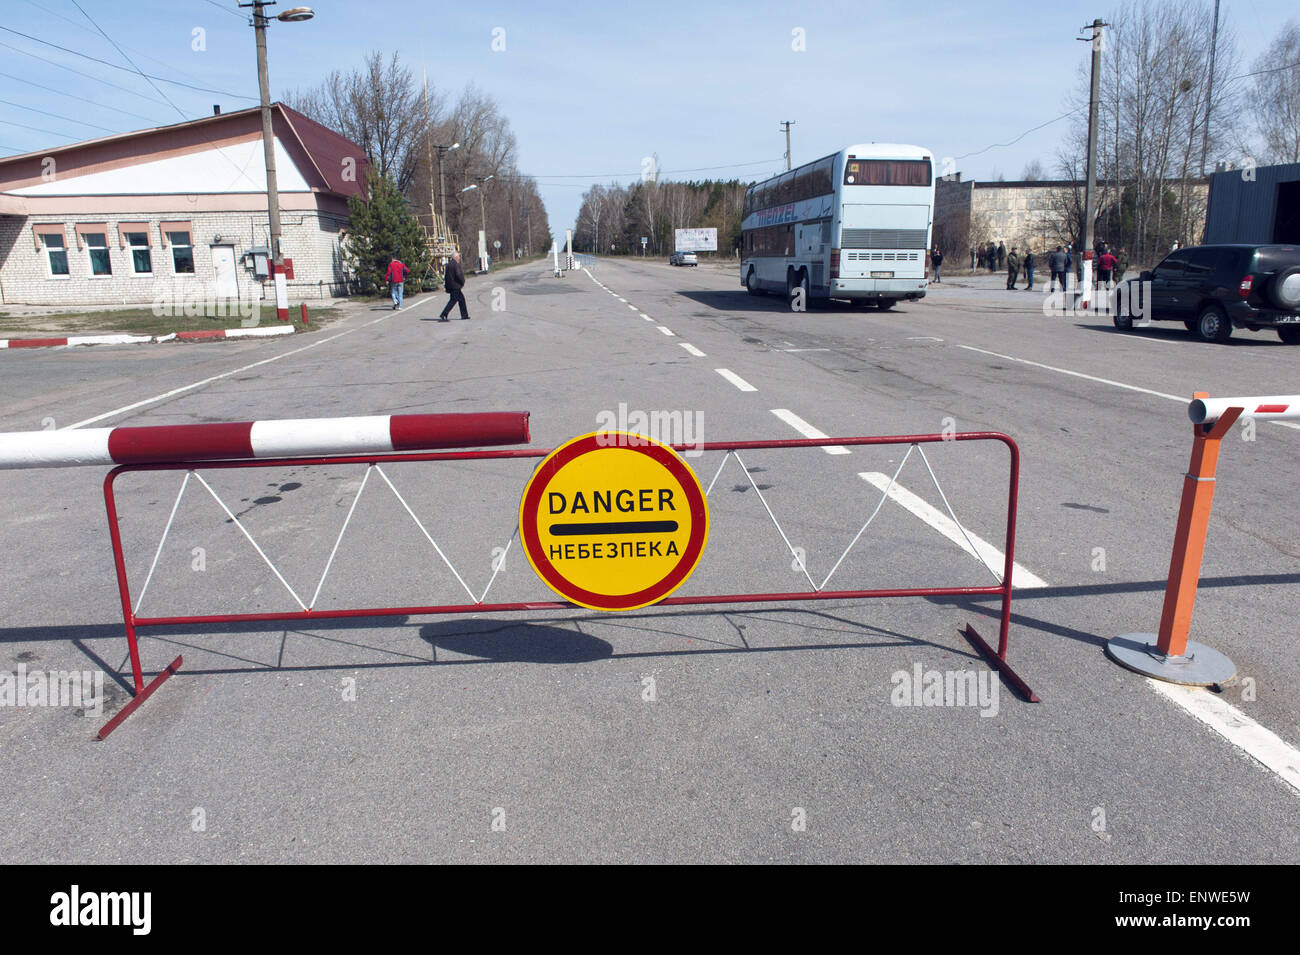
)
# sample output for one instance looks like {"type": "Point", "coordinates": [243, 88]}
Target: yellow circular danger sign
{"type": "Point", "coordinates": [613, 521]}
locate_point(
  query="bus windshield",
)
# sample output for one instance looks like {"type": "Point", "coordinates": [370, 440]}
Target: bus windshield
{"type": "Point", "coordinates": [887, 172]}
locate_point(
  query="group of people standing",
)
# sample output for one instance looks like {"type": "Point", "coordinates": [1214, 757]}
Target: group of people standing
{"type": "Point", "coordinates": [1110, 266]}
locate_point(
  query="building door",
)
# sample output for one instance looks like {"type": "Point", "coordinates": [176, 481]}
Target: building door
{"type": "Point", "coordinates": [1286, 216]}
{"type": "Point", "coordinates": [223, 264]}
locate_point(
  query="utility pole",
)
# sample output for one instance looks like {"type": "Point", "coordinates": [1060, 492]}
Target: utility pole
{"type": "Point", "coordinates": [259, 21]}
{"type": "Point", "coordinates": [787, 123]}
{"type": "Point", "coordinates": [1090, 191]}
{"type": "Point", "coordinates": [1209, 88]}
{"type": "Point", "coordinates": [511, 202]}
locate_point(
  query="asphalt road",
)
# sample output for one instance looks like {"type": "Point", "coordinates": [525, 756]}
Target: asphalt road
{"type": "Point", "coordinates": [728, 733]}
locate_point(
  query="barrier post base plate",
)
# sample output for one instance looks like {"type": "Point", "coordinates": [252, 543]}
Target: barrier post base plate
{"type": "Point", "coordinates": [139, 698]}
{"type": "Point", "coordinates": [1199, 666]}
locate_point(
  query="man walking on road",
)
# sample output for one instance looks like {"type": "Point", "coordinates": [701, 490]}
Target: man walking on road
{"type": "Point", "coordinates": [396, 274]}
{"type": "Point", "coordinates": [454, 280]}
{"type": "Point", "coordinates": [1059, 263]}
{"type": "Point", "coordinates": [936, 259]}
{"type": "Point", "coordinates": [1029, 269]}
{"type": "Point", "coordinates": [1013, 268]}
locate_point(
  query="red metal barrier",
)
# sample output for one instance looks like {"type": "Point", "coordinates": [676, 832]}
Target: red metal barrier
{"type": "Point", "coordinates": [997, 659]}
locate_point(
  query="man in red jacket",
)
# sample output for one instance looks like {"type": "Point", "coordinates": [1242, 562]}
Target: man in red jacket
{"type": "Point", "coordinates": [397, 273]}
{"type": "Point", "coordinates": [1105, 269]}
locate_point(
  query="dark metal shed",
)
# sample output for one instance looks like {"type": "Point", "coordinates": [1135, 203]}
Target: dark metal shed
{"type": "Point", "coordinates": [1254, 204]}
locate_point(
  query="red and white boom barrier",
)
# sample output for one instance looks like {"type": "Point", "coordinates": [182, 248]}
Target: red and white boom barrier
{"type": "Point", "coordinates": [381, 434]}
{"type": "Point", "coordinates": [1272, 408]}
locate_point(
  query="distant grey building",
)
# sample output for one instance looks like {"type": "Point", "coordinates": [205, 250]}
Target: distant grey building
{"type": "Point", "coordinates": [1254, 204]}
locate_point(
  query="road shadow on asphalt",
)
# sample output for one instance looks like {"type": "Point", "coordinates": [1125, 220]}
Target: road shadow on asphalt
{"type": "Point", "coordinates": [1174, 332]}
{"type": "Point", "coordinates": [742, 301]}
{"type": "Point", "coordinates": [511, 641]}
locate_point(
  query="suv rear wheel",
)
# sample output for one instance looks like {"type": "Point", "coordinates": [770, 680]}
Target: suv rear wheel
{"type": "Point", "coordinates": [1284, 289]}
{"type": "Point", "coordinates": [1212, 325]}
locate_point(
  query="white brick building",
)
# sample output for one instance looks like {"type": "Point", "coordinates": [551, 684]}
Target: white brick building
{"type": "Point", "coordinates": [176, 211]}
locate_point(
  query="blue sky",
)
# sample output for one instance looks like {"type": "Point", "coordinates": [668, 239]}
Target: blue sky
{"type": "Point", "coordinates": [592, 88]}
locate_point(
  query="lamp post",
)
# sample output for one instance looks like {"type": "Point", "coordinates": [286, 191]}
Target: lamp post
{"type": "Point", "coordinates": [482, 249]}
{"type": "Point", "coordinates": [442, 188]}
{"type": "Point", "coordinates": [259, 22]}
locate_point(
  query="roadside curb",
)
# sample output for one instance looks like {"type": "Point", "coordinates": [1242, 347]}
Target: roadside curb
{"type": "Point", "coordinates": [146, 339]}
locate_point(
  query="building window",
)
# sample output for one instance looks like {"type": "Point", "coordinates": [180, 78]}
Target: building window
{"type": "Point", "coordinates": [182, 253]}
{"type": "Point", "coordinates": [56, 254]}
{"type": "Point", "coordinates": [141, 260]}
{"type": "Point", "coordinates": [97, 245]}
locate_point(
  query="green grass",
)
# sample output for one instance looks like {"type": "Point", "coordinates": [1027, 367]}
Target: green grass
{"type": "Point", "coordinates": [143, 321]}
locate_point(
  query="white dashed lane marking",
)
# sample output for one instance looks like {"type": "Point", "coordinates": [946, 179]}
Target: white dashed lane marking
{"type": "Point", "coordinates": [977, 547]}
{"type": "Point", "coordinates": [692, 349]}
{"type": "Point", "coordinates": [735, 379]}
{"type": "Point", "coordinates": [807, 430]}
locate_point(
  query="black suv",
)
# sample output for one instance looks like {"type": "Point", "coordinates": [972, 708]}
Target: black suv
{"type": "Point", "coordinates": [1214, 288]}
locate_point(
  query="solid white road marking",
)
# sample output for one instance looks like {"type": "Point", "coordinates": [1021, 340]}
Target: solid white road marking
{"type": "Point", "coordinates": [941, 522]}
{"type": "Point", "coordinates": [692, 349]}
{"type": "Point", "coordinates": [1236, 727]}
{"type": "Point", "coordinates": [666, 331]}
{"type": "Point", "coordinates": [207, 381]}
{"type": "Point", "coordinates": [735, 379]}
{"type": "Point", "coordinates": [807, 430]}
{"type": "Point", "coordinates": [1104, 381]}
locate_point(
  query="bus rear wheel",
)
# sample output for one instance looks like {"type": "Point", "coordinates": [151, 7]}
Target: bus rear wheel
{"type": "Point", "coordinates": [796, 290]}
{"type": "Point", "coordinates": [885, 304]}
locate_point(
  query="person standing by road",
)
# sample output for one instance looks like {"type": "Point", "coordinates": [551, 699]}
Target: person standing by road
{"type": "Point", "coordinates": [453, 280]}
{"type": "Point", "coordinates": [1059, 263]}
{"type": "Point", "coordinates": [1029, 270]}
{"type": "Point", "coordinates": [972, 260]}
{"type": "Point", "coordinates": [936, 259]}
{"type": "Point", "coordinates": [396, 275]}
{"type": "Point", "coordinates": [1002, 254]}
{"type": "Point", "coordinates": [1121, 265]}
{"type": "Point", "coordinates": [1013, 268]}
{"type": "Point", "coordinates": [1105, 269]}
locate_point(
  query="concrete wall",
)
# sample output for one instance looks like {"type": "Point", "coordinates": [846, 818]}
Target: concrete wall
{"type": "Point", "coordinates": [310, 238]}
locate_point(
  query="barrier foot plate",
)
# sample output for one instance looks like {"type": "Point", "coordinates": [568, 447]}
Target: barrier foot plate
{"type": "Point", "coordinates": [1000, 665]}
{"type": "Point", "coordinates": [140, 697]}
{"type": "Point", "coordinates": [1199, 666]}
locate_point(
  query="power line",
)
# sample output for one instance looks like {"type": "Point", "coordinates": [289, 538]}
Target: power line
{"type": "Point", "coordinates": [148, 76]}
{"type": "Point", "coordinates": [51, 89]}
{"type": "Point", "coordinates": [81, 26]}
{"type": "Point", "coordinates": [1021, 136]}
{"type": "Point", "coordinates": [228, 10]}
{"type": "Point", "coordinates": [66, 119]}
{"type": "Point", "coordinates": [37, 129]}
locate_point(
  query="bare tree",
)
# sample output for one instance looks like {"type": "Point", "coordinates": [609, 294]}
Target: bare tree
{"type": "Point", "coordinates": [1276, 99]}
{"type": "Point", "coordinates": [380, 107]}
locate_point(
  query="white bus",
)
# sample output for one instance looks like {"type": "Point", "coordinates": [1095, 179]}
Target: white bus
{"type": "Point", "coordinates": [854, 225]}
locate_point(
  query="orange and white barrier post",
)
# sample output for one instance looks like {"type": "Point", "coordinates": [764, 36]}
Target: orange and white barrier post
{"type": "Point", "coordinates": [1169, 655]}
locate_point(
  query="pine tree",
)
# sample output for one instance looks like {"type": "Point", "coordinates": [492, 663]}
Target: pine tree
{"type": "Point", "coordinates": [378, 230]}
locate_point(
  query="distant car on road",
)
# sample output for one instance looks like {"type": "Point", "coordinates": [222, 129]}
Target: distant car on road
{"type": "Point", "coordinates": [683, 258]}
{"type": "Point", "coordinates": [1213, 289]}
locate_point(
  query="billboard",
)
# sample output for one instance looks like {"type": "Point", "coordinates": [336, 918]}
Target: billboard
{"type": "Point", "coordinates": [696, 240]}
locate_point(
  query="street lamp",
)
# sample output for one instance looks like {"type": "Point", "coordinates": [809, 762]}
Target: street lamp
{"type": "Point", "coordinates": [259, 22]}
{"type": "Point", "coordinates": [482, 250]}
{"type": "Point", "coordinates": [442, 189]}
